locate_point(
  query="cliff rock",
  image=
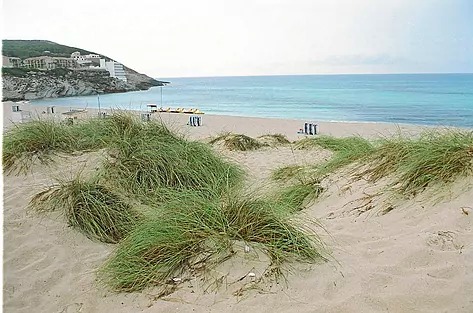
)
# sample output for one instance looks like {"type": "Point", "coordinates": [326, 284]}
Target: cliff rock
{"type": "Point", "coordinates": [29, 84]}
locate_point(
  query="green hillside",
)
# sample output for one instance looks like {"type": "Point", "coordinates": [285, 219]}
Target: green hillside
{"type": "Point", "coordinates": [34, 48]}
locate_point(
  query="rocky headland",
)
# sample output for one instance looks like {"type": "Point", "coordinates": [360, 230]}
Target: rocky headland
{"type": "Point", "coordinates": [29, 84]}
{"type": "Point", "coordinates": [22, 82]}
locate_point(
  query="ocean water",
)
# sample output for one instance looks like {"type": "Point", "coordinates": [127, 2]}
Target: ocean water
{"type": "Point", "coordinates": [427, 99]}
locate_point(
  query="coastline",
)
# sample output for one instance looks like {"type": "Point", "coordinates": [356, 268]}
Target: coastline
{"type": "Point", "coordinates": [252, 126]}
{"type": "Point", "coordinates": [428, 101]}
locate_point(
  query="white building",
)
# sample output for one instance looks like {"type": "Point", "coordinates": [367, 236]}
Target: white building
{"type": "Point", "coordinates": [92, 56]}
{"type": "Point", "coordinates": [86, 59]}
{"type": "Point", "coordinates": [11, 61]}
{"type": "Point", "coordinates": [77, 55]}
{"type": "Point", "coordinates": [114, 68]}
{"type": "Point", "coordinates": [49, 63]}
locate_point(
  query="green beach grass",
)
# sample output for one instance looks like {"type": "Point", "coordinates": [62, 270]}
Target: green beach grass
{"type": "Point", "coordinates": [345, 151]}
{"type": "Point", "coordinates": [238, 142]}
{"type": "Point", "coordinates": [91, 208]}
{"type": "Point", "coordinates": [169, 204]}
{"type": "Point", "coordinates": [38, 140]}
{"type": "Point", "coordinates": [192, 238]}
{"type": "Point", "coordinates": [175, 207]}
{"type": "Point", "coordinates": [273, 140]}
{"type": "Point", "coordinates": [42, 139]}
{"type": "Point", "coordinates": [435, 158]}
{"type": "Point", "coordinates": [299, 195]}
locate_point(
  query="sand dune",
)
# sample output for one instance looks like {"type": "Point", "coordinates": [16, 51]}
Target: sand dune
{"type": "Point", "coordinates": [389, 254]}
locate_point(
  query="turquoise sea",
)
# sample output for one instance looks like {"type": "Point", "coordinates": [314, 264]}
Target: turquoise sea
{"type": "Point", "coordinates": [428, 99]}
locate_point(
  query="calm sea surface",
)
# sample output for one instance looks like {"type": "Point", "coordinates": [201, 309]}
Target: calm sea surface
{"type": "Point", "coordinates": [430, 99]}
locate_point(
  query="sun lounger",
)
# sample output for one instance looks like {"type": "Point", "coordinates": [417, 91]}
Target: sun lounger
{"type": "Point", "coordinates": [309, 129]}
{"type": "Point", "coordinates": [195, 121]}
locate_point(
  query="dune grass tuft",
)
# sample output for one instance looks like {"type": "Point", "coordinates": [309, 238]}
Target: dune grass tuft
{"type": "Point", "coordinates": [237, 142]}
{"type": "Point", "coordinates": [170, 204]}
{"type": "Point", "coordinates": [273, 140]}
{"type": "Point", "coordinates": [154, 159]}
{"type": "Point", "coordinates": [90, 208]}
{"type": "Point", "coordinates": [435, 158]}
{"type": "Point", "coordinates": [37, 140]}
{"type": "Point", "coordinates": [154, 253]}
{"type": "Point", "coordinates": [180, 240]}
{"type": "Point", "coordinates": [265, 221]}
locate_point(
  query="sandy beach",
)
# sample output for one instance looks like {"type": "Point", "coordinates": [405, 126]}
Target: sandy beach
{"type": "Point", "coordinates": [218, 124]}
{"type": "Point", "coordinates": [388, 254]}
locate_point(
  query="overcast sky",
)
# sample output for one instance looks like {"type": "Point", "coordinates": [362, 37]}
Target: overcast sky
{"type": "Point", "coordinates": [173, 38]}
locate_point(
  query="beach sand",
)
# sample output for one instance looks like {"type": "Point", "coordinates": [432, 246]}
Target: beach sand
{"type": "Point", "coordinates": [389, 254]}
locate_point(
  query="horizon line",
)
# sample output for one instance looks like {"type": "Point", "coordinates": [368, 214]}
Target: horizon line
{"type": "Point", "coordinates": [325, 74]}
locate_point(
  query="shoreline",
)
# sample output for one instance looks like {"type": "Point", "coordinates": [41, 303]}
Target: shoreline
{"type": "Point", "coordinates": [250, 116]}
{"type": "Point", "coordinates": [214, 124]}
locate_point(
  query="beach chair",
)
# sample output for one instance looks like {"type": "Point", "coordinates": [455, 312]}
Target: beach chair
{"type": "Point", "coordinates": [309, 129]}
{"type": "Point", "coordinates": [195, 121]}
{"type": "Point", "coordinates": [312, 129]}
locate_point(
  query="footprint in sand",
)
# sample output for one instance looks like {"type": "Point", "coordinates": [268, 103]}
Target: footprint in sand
{"type": "Point", "coordinates": [73, 308]}
{"type": "Point", "coordinates": [443, 240]}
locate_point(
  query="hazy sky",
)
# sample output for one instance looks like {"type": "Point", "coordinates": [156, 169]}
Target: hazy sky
{"type": "Point", "coordinates": [173, 38]}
